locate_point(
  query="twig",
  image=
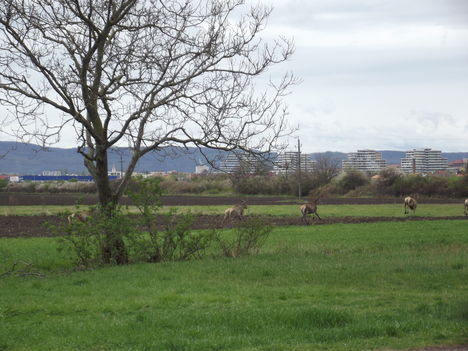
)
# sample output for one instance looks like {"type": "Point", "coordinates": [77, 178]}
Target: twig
{"type": "Point", "coordinates": [21, 272]}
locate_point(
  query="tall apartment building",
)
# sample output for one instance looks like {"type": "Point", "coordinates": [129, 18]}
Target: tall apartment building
{"type": "Point", "coordinates": [423, 161]}
{"type": "Point", "coordinates": [370, 161]}
{"type": "Point", "coordinates": [243, 162]}
{"type": "Point", "coordinates": [288, 163]}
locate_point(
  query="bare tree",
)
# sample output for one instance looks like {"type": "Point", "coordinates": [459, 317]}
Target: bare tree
{"type": "Point", "coordinates": [326, 168]}
{"type": "Point", "coordinates": [148, 73]}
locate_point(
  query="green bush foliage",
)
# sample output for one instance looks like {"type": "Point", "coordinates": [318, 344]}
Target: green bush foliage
{"type": "Point", "coordinates": [276, 184]}
{"type": "Point", "coordinates": [396, 184]}
{"type": "Point", "coordinates": [150, 236]}
{"type": "Point", "coordinates": [352, 179]}
{"type": "Point", "coordinates": [248, 238]}
{"type": "Point", "coordinates": [352, 183]}
{"type": "Point", "coordinates": [176, 240]}
{"type": "Point", "coordinates": [196, 184]}
{"type": "Point", "coordinates": [85, 239]}
{"type": "Point", "coordinates": [3, 183]}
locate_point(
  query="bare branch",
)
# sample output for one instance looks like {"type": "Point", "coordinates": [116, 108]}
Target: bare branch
{"type": "Point", "coordinates": [147, 73]}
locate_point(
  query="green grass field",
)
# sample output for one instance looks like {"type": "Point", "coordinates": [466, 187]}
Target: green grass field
{"type": "Point", "coordinates": [388, 210]}
{"type": "Point", "coordinates": [369, 286]}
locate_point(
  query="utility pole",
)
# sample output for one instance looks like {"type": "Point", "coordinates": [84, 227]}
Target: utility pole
{"type": "Point", "coordinates": [299, 174]}
{"type": "Point", "coordinates": [121, 165]}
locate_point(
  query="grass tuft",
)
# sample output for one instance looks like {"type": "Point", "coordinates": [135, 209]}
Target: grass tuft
{"type": "Point", "coordinates": [313, 318]}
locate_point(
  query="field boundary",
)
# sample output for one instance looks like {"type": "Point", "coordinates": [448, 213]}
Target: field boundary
{"type": "Point", "coordinates": [47, 199]}
{"type": "Point", "coordinates": [37, 226]}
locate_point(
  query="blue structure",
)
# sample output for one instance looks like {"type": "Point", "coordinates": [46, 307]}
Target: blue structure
{"type": "Point", "coordinates": [41, 178]}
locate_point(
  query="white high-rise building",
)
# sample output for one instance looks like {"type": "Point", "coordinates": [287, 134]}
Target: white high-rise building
{"type": "Point", "coordinates": [423, 161]}
{"type": "Point", "coordinates": [370, 161]}
{"type": "Point", "coordinates": [243, 162]}
{"type": "Point", "coordinates": [288, 163]}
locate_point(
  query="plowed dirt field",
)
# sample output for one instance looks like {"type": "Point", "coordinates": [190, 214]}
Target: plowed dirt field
{"type": "Point", "coordinates": [31, 226]}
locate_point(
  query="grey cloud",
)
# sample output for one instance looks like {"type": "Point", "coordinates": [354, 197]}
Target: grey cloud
{"type": "Point", "coordinates": [339, 14]}
{"type": "Point", "coordinates": [348, 66]}
{"type": "Point", "coordinates": [325, 108]}
{"type": "Point", "coordinates": [432, 119]}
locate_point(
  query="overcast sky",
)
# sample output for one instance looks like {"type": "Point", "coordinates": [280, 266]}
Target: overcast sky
{"type": "Point", "coordinates": [377, 74]}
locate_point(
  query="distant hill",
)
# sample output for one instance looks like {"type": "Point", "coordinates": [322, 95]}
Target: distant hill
{"type": "Point", "coordinates": [19, 158]}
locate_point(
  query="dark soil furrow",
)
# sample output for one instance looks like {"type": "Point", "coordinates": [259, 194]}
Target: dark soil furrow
{"type": "Point", "coordinates": [37, 226]}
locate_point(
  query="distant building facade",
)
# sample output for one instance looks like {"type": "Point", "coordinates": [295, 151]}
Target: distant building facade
{"type": "Point", "coordinates": [369, 161]}
{"type": "Point", "coordinates": [245, 163]}
{"type": "Point", "coordinates": [52, 173]}
{"type": "Point", "coordinates": [424, 161]}
{"type": "Point", "coordinates": [200, 169]}
{"type": "Point", "coordinates": [289, 162]}
{"type": "Point", "coordinates": [115, 173]}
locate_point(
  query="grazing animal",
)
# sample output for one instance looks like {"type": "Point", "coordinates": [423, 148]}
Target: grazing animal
{"type": "Point", "coordinates": [466, 207]}
{"type": "Point", "coordinates": [309, 208]}
{"type": "Point", "coordinates": [81, 216]}
{"type": "Point", "coordinates": [236, 211]}
{"type": "Point", "coordinates": [410, 204]}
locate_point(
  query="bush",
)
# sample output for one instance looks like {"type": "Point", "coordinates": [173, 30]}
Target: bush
{"type": "Point", "coordinates": [3, 183]}
{"type": "Point", "coordinates": [249, 237]}
{"type": "Point", "coordinates": [23, 187]}
{"type": "Point", "coordinates": [275, 184]}
{"type": "Point", "coordinates": [435, 186]}
{"type": "Point", "coordinates": [86, 240]}
{"type": "Point", "coordinates": [458, 186]}
{"type": "Point", "coordinates": [176, 241]}
{"type": "Point", "coordinates": [142, 238]}
{"type": "Point", "coordinates": [198, 184]}
{"type": "Point", "coordinates": [388, 177]}
{"type": "Point", "coordinates": [352, 179]}
{"type": "Point", "coordinates": [52, 187]}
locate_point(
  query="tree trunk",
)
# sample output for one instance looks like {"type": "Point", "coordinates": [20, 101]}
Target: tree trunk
{"type": "Point", "coordinates": [113, 248]}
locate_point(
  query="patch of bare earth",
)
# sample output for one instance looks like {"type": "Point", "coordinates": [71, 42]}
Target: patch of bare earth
{"type": "Point", "coordinates": [37, 226]}
{"type": "Point", "coordinates": [14, 199]}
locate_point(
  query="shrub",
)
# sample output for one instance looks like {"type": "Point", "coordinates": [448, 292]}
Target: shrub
{"type": "Point", "coordinates": [275, 184]}
{"type": "Point", "coordinates": [3, 183]}
{"type": "Point", "coordinates": [458, 186]}
{"type": "Point", "coordinates": [176, 241]}
{"type": "Point", "coordinates": [142, 238]}
{"type": "Point", "coordinates": [24, 187]}
{"type": "Point", "coordinates": [385, 184]}
{"type": "Point", "coordinates": [410, 184]}
{"type": "Point", "coordinates": [435, 186]}
{"type": "Point", "coordinates": [206, 183]}
{"type": "Point", "coordinates": [85, 240]}
{"type": "Point", "coordinates": [352, 179]}
{"type": "Point", "coordinates": [249, 237]}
